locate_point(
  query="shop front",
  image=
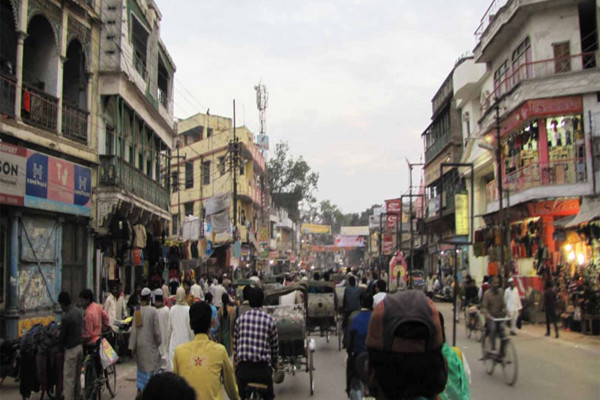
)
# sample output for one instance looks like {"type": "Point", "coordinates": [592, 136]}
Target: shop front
{"type": "Point", "coordinates": [45, 244]}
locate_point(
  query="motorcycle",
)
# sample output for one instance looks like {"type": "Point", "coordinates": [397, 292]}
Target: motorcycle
{"type": "Point", "coordinates": [122, 337]}
{"type": "Point", "coordinates": [9, 359]}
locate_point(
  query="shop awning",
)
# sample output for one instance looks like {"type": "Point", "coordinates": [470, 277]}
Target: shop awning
{"type": "Point", "coordinates": [588, 211]}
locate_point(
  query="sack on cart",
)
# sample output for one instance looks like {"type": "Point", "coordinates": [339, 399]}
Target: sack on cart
{"type": "Point", "coordinates": [321, 305]}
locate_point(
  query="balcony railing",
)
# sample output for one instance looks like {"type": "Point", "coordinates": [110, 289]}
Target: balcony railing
{"type": "Point", "coordinates": [553, 173]}
{"type": "Point", "coordinates": [74, 123]}
{"type": "Point", "coordinates": [8, 87]}
{"type": "Point", "coordinates": [437, 146]}
{"type": "Point", "coordinates": [39, 109]}
{"type": "Point", "coordinates": [115, 171]}
{"type": "Point", "coordinates": [489, 15]}
{"type": "Point", "coordinates": [539, 69]}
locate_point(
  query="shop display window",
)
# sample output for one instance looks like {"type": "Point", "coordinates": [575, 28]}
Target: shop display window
{"type": "Point", "coordinates": [566, 149]}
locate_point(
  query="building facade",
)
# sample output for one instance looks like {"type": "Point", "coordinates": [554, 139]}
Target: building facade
{"type": "Point", "coordinates": [205, 170]}
{"type": "Point", "coordinates": [49, 152]}
{"type": "Point", "coordinates": [540, 95]}
{"type": "Point", "coordinates": [136, 134]}
{"type": "Point", "coordinates": [444, 144]}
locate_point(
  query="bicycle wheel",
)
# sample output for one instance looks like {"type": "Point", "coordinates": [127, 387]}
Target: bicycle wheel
{"type": "Point", "coordinates": [510, 367]}
{"type": "Point", "coordinates": [310, 370]}
{"type": "Point", "coordinates": [488, 360]}
{"type": "Point", "coordinates": [90, 389]}
{"type": "Point", "coordinates": [110, 374]}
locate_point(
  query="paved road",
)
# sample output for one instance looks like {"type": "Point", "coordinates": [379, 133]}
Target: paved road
{"type": "Point", "coordinates": [548, 369]}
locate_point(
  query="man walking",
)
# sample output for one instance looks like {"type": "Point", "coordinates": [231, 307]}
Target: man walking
{"type": "Point", "coordinates": [351, 300]}
{"type": "Point", "coordinates": [145, 340]}
{"type": "Point", "coordinates": [255, 346]}
{"type": "Point", "coordinates": [380, 293]}
{"type": "Point", "coordinates": [70, 343]}
{"type": "Point", "coordinates": [550, 308]}
{"type": "Point", "coordinates": [513, 305]}
{"type": "Point", "coordinates": [163, 323]}
{"type": "Point", "coordinates": [218, 292]}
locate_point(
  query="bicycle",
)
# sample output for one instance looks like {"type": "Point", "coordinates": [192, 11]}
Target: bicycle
{"type": "Point", "coordinates": [92, 384]}
{"type": "Point", "coordinates": [507, 356]}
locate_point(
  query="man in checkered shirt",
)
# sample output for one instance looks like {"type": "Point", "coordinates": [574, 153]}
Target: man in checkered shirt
{"type": "Point", "coordinates": [255, 346]}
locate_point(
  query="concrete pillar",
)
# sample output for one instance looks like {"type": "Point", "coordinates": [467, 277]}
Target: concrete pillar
{"type": "Point", "coordinates": [62, 57]}
{"type": "Point", "coordinates": [59, 266]}
{"type": "Point", "coordinates": [19, 73]}
{"type": "Point", "coordinates": [12, 296]}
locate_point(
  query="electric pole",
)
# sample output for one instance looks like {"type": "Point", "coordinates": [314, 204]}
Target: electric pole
{"type": "Point", "coordinates": [500, 190]}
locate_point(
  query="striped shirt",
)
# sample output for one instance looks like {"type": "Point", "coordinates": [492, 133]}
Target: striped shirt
{"type": "Point", "coordinates": [255, 338]}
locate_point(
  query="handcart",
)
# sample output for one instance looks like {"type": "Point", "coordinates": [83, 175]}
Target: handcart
{"type": "Point", "coordinates": [295, 348]}
{"type": "Point", "coordinates": [323, 310]}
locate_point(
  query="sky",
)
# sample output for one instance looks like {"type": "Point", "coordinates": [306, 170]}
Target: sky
{"type": "Point", "coordinates": [350, 82]}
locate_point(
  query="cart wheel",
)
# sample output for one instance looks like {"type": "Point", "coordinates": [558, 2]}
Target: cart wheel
{"type": "Point", "coordinates": [310, 372]}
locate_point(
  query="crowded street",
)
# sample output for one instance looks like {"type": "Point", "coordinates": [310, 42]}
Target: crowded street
{"type": "Point", "coordinates": [267, 199]}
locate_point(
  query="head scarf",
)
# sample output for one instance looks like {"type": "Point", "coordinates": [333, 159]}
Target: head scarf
{"type": "Point", "coordinates": [180, 297]}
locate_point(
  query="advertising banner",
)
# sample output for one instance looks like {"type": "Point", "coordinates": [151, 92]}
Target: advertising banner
{"type": "Point", "coordinates": [36, 180]}
{"type": "Point", "coordinates": [388, 243]}
{"type": "Point", "coordinates": [391, 220]}
{"type": "Point", "coordinates": [354, 230]}
{"type": "Point", "coordinates": [461, 214]}
{"type": "Point", "coordinates": [318, 229]}
{"type": "Point", "coordinates": [349, 241]}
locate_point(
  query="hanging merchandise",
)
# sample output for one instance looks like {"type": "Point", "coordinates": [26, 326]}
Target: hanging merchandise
{"type": "Point", "coordinates": [139, 240]}
{"type": "Point", "coordinates": [137, 257]}
{"type": "Point", "coordinates": [109, 266]}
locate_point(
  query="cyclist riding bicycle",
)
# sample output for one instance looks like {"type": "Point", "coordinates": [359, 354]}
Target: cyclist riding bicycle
{"type": "Point", "coordinates": [95, 321]}
{"type": "Point", "coordinates": [494, 306]}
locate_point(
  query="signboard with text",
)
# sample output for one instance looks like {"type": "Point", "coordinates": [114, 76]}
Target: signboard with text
{"type": "Point", "coordinates": [36, 180]}
{"type": "Point", "coordinates": [461, 214]}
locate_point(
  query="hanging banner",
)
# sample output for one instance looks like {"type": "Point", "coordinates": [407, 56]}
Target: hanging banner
{"type": "Point", "coordinates": [391, 220]}
{"type": "Point", "coordinates": [349, 241]}
{"type": "Point", "coordinates": [318, 229]}
{"type": "Point", "coordinates": [36, 180]}
{"type": "Point", "coordinates": [461, 214]}
{"type": "Point", "coordinates": [393, 206]}
{"type": "Point", "coordinates": [354, 230]}
{"type": "Point", "coordinates": [388, 243]}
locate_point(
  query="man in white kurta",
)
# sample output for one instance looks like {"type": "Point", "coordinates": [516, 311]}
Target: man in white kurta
{"type": "Point", "coordinates": [163, 324]}
{"type": "Point", "coordinates": [513, 305]}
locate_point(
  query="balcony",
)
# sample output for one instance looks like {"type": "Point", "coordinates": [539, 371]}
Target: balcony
{"type": "Point", "coordinates": [488, 17]}
{"type": "Point", "coordinates": [437, 146]}
{"type": "Point", "coordinates": [553, 173]}
{"type": "Point", "coordinates": [8, 85]}
{"type": "Point", "coordinates": [39, 109]}
{"type": "Point", "coordinates": [116, 172]}
{"type": "Point", "coordinates": [537, 70]}
{"type": "Point", "coordinates": [74, 123]}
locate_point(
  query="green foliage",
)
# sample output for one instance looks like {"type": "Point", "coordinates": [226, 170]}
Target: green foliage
{"type": "Point", "coordinates": [290, 180]}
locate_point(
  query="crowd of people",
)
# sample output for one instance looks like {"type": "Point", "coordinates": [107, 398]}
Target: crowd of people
{"type": "Point", "coordinates": [203, 337]}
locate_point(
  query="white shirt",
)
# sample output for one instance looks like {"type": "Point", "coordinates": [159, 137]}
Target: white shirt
{"type": "Point", "coordinates": [430, 284]}
{"type": "Point", "coordinates": [218, 292]}
{"type": "Point", "coordinates": [179, 329]}
{"type": "Point", "coordinates": [255, 279]}
{"type": "Point", "coordinates": [378, 297]}
{"type": "Point", "coordinates": [110, 308]}
{"type": "Point", "coordinates": [197, 291]}
{"type": "Point", "coordinates": [163, 324]}
{"type": "Point", "coordinates": [512, 300]}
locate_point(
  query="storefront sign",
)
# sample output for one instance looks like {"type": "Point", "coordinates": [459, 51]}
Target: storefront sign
{"type": "Point", "coordinates": [461, 214]}
{"type": "Point", "coordinates": [557, 208]}
{"type": "Point", "coordinates": [318, 229]}
{"type": "Point", "coordinates": [36, 180]}
{"type": "Point", "coordinates": [541, 108]}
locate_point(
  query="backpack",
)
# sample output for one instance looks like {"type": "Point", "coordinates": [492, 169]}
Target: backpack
{"type": "Point", "coordinates": [405, 342]}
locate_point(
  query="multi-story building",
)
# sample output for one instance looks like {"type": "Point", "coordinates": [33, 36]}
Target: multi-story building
{"type": "Point", "coordinates": [48, 155]}
{"type": "Point", "coordinates": [206, 169]}
{"type": "Point", "coordinates": [443, 140]}
{"type": "Point", "coordinates": [540, 95]}
{"type": "Point", "coordinates": [282, 239]}
{"type": "Point", "coordinates": [135, 139]}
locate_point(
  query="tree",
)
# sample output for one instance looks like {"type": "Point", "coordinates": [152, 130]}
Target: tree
{"type": "Point", "coordinates": [290, 180]}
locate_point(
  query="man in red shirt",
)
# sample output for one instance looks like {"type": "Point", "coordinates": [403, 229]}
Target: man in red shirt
{"type": "Point", "coordinates": [94, 320]}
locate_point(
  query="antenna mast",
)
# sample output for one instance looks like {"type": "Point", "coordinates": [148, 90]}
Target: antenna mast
{"type": "Point", "coordinates": [262, 101]}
